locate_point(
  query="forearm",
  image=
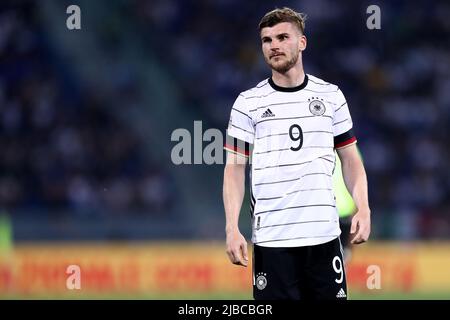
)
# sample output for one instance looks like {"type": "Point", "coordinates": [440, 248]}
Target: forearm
{"type": "Point", "coordinates": [233, 195]}
{"type": "Point", "coordinates": [356, 182]}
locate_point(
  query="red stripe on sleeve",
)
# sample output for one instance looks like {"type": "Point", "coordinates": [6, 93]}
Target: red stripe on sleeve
{"type": "Point", "coordinates": [236, 149]}
{"type": "Point", "coordinates": [346, 142]}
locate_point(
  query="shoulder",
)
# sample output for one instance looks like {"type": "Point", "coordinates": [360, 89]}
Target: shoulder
{"type": "Point", "coordinates": [326, 89]}
{"type": "Point", "coordinates": [260, 89]}
{"type": "Point", "coordinates": [315, 83]}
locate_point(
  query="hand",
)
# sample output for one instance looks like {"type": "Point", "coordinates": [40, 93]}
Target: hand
{"type": "Point", "coordinates": [360, 226]}
{"type": "Point", "coordinates": [237, 248]}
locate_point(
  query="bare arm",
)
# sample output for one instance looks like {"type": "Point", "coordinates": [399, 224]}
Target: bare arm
{"type": "Point", "coordinates": [233, 195]}
{"type": "Point", "coordinates": [356, 182]}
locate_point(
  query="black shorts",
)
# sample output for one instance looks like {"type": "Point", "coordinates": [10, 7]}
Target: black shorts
{"type": "Point", "coordinates": [299, 273]}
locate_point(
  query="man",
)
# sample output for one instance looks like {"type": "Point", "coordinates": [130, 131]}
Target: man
{"type": "Point", "coordinates": [293, 122]}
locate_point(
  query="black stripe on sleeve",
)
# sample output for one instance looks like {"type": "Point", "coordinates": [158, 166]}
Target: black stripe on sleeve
{"type": "Point", "coordinates": [234, 126]}
{"type": "Point", "coordinates": [242, 113]}
{"type": "Point", "coordinates": [262, 96]}
{"type": "Point", "coordinates": [335, 124]}
{"type": "Point", "coordinates": [237, 145]}
{"type": "Point", "coordinates": [340, 107]}
{"type": "Point", "coordinates": [322, 84]}
{"type": "Point", "coordinates": [343, 137]}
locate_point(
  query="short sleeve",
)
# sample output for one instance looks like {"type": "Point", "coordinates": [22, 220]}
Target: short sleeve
{"type": "Point", "coordinates": [241, 129]}
{"type": "Point", "coordinates": [342, 123]}
{"type": "Point", "coordinates": [241, 124]}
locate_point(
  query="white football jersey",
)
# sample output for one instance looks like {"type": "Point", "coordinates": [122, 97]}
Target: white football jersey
{"type": "Point", "coordinates": [293, 133]}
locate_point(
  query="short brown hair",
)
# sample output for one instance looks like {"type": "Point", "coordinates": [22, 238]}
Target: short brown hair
{"type": "Point", "coordinates": [283, 15]}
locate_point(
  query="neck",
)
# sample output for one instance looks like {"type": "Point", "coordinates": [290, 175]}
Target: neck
{"type": "Point", "coordinates": [292, 78]}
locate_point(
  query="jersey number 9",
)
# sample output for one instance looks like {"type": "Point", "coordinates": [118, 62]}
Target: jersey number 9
{"type": "Point", "coordinates": [296, 134]}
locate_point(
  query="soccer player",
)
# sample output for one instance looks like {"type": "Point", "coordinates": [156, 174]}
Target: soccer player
{"type": "Point", "coordinates": [289, 126]}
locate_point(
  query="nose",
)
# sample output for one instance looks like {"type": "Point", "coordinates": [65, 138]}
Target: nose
{"type": "Point", "coordinates": [274, 45]}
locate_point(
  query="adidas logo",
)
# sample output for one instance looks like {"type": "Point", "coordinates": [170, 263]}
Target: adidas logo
{"type": "Point", "coordinates": [341, 294]}
{"type": "Point", "coordinates": [268, 113]}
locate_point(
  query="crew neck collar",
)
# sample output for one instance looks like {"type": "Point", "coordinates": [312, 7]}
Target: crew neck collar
{"type": "Point", "coordinates": [289, 89]}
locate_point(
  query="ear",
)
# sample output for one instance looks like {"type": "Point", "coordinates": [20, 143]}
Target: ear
{"type": "Point", "coordinates": [302, 43]}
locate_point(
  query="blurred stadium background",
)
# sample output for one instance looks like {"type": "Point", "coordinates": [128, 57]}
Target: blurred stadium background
{"type": "Point", "coordinates": [86, 118]}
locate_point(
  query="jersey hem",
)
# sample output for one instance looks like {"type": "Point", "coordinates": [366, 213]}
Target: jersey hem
{"type": "Point", "coordinates": [297, 242]}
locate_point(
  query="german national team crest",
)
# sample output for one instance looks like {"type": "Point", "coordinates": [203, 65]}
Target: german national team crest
{"type": "Point", "coordinates": [261, 280]}
{"type": "Point", "coordinates": [316, 106]}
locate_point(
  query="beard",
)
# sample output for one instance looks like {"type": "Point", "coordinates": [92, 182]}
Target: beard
{"type": "Point", "coordinates": [286, 65]}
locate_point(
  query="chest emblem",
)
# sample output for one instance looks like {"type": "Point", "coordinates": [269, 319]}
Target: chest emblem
{"type": "Point", "coordinates": [316, 106]}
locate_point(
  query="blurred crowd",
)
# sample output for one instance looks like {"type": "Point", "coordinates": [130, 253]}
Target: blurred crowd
{"type": "Point", "coordinates": [62, 149]}
{"type": "Point", "coordinates": [396, 81]}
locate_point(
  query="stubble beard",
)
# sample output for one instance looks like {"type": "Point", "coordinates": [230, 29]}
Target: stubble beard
{"type": "Point", "coordinates": [286, 66]}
